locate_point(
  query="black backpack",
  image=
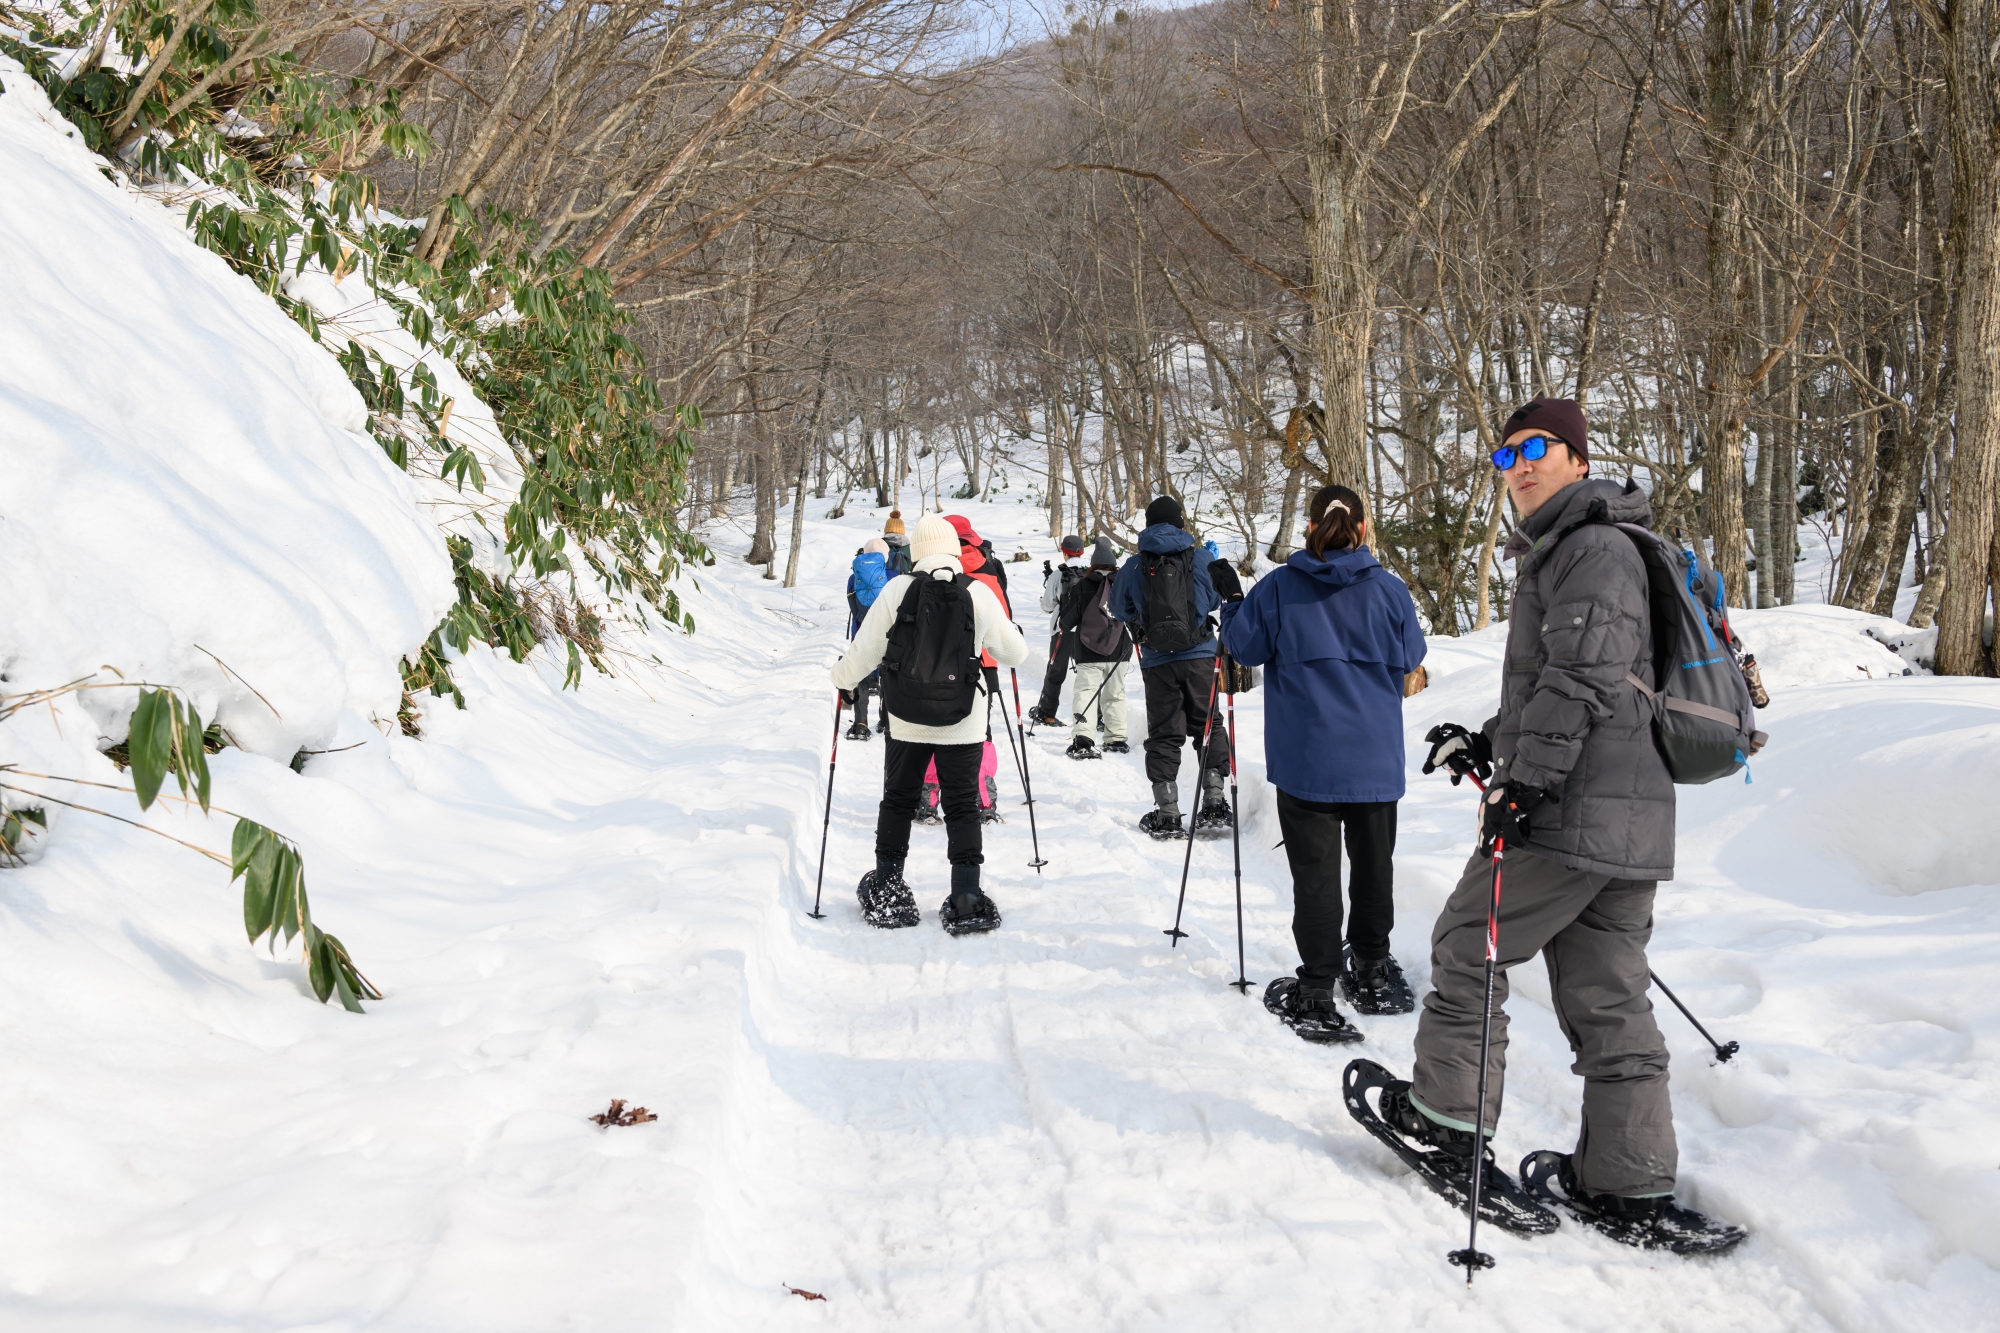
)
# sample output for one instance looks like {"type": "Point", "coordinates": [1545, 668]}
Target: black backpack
{"type": "Point", "coordinates": [931, 669]}
{"type": "Point", "coordinates": [1171, 624]}
{"type": "Point", "coordinates": [1097, 629]}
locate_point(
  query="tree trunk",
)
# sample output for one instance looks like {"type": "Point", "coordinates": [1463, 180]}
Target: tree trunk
{"type": "Point", "coordinates": [1968, 29]}
{"type": "Point", "coordinates": [1343, 290]}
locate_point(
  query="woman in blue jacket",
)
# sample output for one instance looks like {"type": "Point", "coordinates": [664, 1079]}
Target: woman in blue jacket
{"type": "Point", "coordinates": [1336, 634]}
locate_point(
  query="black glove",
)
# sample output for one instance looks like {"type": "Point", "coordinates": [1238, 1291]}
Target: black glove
{"type": "Point", "coordinates": [1046, 571]}
{"type": "Point", "coordinates": [847, 698]}
{"type": "Point", "coordinates": [1463, 752]}
{"type": "Point", "coordinates": [1505, 813]}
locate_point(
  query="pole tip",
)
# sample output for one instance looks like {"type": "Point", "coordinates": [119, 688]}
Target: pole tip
{"type": "Point", "coordinates": [1243, 984]}
{"type": "Point", "coordinates": [817, 916]}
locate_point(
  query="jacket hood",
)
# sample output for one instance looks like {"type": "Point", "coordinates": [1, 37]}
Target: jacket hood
{"type": "Point", "coordinates": [1165, 539]}
{"type": "Point", "coordinates": [971, 558]}
{"type": "Point", "coordinates": [1592, 500]}
{"type": "Point", "coordinates": [1339, 568]}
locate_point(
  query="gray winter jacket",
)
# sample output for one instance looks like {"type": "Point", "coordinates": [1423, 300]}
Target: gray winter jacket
{"type": "Point", "coordinates": [1569, 719]}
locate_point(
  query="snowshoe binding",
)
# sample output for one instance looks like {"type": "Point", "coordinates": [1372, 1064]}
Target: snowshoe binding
{"type": "Point", "coordinates": [1657, 1223]}
{"type": "Point", "coordinates": [1376, 986]}
{"type": "Point", "coordinates": [928, 809]}
{"type": "Point", "coordinates": [989, 813]}
{"type": "Point", "coordinates": [1117, 747]}
{"type": "Point", "coordinates": [968, 912]}
{"type": "Point", "coordinates": [859, 731]}
{"type": "Point", "coordinates": [886, 901]}
{"type": "Point", "coordinates": [1441, 1156]}
{"type": "Point", "coordinates": [1163, 821]}
{"type": "Point", "coordinates": [1310, 1013]}
{"type": "Point", "coordinates": [1041, 717]}
{"type": "Point", "coordinates": [1082, 748]}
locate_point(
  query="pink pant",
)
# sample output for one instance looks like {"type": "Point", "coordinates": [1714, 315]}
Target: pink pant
{"type": "Point", "coordinates": [989, 765]}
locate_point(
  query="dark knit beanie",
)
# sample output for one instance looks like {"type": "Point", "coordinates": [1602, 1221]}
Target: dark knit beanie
{"type": "Point", "coordinates": [1560, 417]}
{"type": "Point", "coordinates": [1072, 545]}
{"type": "Point", "coordinates": [1166, 509]}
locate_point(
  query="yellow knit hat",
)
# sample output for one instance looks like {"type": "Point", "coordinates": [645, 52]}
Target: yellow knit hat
{"type": "Point", "coordinates": [895, 523]}
{"type": "Point", "coordinates": [934, 536]}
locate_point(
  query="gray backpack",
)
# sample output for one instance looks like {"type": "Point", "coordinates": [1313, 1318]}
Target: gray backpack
{"type": "Point", "coordinates": [1702, 718]}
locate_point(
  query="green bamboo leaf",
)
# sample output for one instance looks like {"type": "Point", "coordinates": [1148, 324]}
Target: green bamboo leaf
{"type": "Point", "coordinates": [242, 844]}
{"type": "Point", "coordinates": [149, 767]}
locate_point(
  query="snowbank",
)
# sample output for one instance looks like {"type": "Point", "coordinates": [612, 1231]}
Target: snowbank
{"type": "Point", "coordinates": [187, 495]}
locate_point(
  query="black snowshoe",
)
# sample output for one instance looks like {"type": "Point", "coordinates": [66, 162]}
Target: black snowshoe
{"type": "Point", "coordinates": [1441, 1156]}
{"type": "Point", "coordinates": [1309, 1013]}
{"type": "Point", "coordinates": [1117, 747]}
{"type": "Point", "coordinates": [990, 812]}
{"type": "Point", "coordinates": [1376, 986]}
{"type": "Point", "coordinates": [859, 731]}
{"type": "Point", "coordinates": [1081, 748]}
{"type": "Point", "coordinates": [1163, 825]}
{"type": "Point", "coordinates": [886, 901]}
{"type": "Point", "coordinates": [1041, 718]}
{"type": "Point", "coordinates": [1646, 1224]}
{"type": "Point", "coordinates": [969, 913]}
{"type": "Point", "coordinates": [1213, 818]}
{"type": "Point", "coordinates": [928, 809]}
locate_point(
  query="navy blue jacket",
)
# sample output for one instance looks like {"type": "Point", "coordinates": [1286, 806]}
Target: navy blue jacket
{"type": "Point", "coordinates": [1128, 593]}
{"type": "Point", "coordinates": [1335, 638]}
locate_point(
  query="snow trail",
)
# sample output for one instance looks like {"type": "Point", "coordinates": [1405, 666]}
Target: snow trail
{"type": "Point", "coordinates": [1065, 1124]}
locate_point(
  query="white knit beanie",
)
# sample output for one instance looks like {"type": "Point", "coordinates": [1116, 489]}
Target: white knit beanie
{"type": "Point", "coordinates": [934, 536]}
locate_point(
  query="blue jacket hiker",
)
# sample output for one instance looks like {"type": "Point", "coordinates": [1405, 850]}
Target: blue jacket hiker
{"type": "Point", "coordinates": [1336, 634]}
{"type": "Point", "coordinates": [1165, 594]}
{"type": "Point", "coordinates": [870, 574]}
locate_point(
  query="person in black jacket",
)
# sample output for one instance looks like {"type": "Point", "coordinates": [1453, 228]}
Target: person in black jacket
{"type": "Point", "coordinates": [1100, 646]}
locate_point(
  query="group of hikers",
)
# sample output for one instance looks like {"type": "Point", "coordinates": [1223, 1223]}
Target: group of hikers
{"type": "Point", "coordinates": [1576, 812]}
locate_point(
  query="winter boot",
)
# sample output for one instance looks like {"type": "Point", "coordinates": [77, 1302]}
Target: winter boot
{"type": "Point", "coordinates": [1376, 986]}
{"type": "Point", "coordinates": [1117, 747]}
{"type": "Point", "coordinates": [886, 901]}
{"type": "Point", "coordinates": [1215, 812]}
{"type": "Point", "coordinates": [1040, 717]}
{"type": "Point", "coordinates": [1164, 820]}
{"type": "Point", "coordinates": [968, 911]}
{"type": "Point", "coordinates": [928, 809]}
{"type": "Point", "coordinates": [1081, 748]}
{"type": "Point", "coordinates": [1400, 1113]}
{"type": "Point", "coordinates": [989, 813]}
{"type": "Point", "coordinates": [1308, 1012]}
{"type": "Point", "coordinates": [859, 731]}
{"type": "Point", "coordinates": [1652, 1222]}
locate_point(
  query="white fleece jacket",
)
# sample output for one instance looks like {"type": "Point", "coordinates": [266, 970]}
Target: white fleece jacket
{"type": "Point", "coordinates": [995, 632]}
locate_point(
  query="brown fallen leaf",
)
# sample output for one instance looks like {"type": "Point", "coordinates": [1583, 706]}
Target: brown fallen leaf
{"type": "Point", "coordinates": [803, 1294]}
{"type": "Point", "coordinates": [618, 1115]}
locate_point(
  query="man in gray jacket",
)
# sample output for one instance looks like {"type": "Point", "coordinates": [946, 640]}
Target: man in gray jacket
{"type": "Point", "coordinates": [1585, 807]}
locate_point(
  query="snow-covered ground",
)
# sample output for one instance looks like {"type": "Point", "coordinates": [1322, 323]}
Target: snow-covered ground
{"type": "Point", "coordinates": [569, 898]}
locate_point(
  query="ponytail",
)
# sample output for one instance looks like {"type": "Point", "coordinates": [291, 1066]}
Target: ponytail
{"type": "Point", "coordinates": [1337, 515]}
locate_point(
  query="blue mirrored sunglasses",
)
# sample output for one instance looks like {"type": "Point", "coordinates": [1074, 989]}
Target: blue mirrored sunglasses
{"type": "Point", "coordinates": [1534, 449]}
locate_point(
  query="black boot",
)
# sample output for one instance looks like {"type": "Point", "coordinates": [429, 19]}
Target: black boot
{"type": "Point", "coordinates": [859, 731]}
{"type": "Point", "coordinates": [886, 901]}
{"type": "Point", "coordinates": [1308, 1012]}
{"type": "Point", "coordinates": [1215, 812]}
{"type": "Point", "coordinates": [1649, 1222]}
{"type": "Point", "coordinates": [1377, 986]}
{"type": "Point", "coordinates": [1081, 748]}
{"type": "Point", "coordinates": [1164, 820]}
{"type": "Point", "coordinates": [1117, 747]}
{"type": "Point", "coordinates": [968, 911]}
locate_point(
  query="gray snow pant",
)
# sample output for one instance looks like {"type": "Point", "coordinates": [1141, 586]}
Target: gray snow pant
{"type": "Point", "coordinates": [1591, 931]}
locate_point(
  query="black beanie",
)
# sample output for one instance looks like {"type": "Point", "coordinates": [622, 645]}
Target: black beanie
{"type": "Point", "coordinates": [1166, 509]}
{"type": "Point", "coordinates": [1560, 417]}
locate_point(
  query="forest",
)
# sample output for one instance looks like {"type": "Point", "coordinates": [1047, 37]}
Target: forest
{"type": "Point", "coordinates": [1228, 252]}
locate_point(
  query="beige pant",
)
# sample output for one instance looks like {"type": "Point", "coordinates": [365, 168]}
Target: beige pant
{"type": "Point", "coordinates": [1110, 704]}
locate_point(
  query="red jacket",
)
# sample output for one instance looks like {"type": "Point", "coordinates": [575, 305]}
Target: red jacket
{"type": "Point", "coordinates": [974, 563]}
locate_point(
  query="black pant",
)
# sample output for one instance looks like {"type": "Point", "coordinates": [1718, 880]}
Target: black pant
{"type": "Point", "coordinates": [1176, 711]}
{"type": "Point", "coordinates": [861, 693]}
{"type": "Point", "coordinates": [1052, 679]}
{"type": "Point", "coordinates": [958, 792]}
{"type": "Point", "coordinates": [1312, 832]}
